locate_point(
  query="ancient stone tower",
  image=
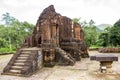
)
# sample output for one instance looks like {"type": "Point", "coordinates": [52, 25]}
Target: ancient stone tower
{"type": "Point", "coordinates": [57, 38]}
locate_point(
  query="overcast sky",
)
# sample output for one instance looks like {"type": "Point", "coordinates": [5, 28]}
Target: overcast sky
{"type": "Point", "coordinates": [101, 11]}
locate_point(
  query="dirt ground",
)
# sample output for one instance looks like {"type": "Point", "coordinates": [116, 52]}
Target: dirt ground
{"type": "Point", "coordinates": [83, 70]}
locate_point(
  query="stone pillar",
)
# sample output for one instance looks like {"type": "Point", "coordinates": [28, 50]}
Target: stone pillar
{"type": "Point", "coordinates": [46, 33]}
{"type": "Point", "coordinates": [77, 33]}
{"type": "Point", "coordinates": [108, 65]}
{"type": "Point", "coordinates": [54, 34]}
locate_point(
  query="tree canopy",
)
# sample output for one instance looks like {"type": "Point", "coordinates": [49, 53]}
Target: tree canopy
{"type": "Point", "coordinates": [13, 31]}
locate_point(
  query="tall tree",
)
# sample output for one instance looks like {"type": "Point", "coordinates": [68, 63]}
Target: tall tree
{"type": "Point", "coordinates": [105, 39]}
{"type": "Point", "coordinates": [8, 19]}
{"type": "Point", "coordinates": [117, 24]}
{"type": "Point", "coordinates": [115, 34]}
{"type": "Point", "coordinates": [91, 23]}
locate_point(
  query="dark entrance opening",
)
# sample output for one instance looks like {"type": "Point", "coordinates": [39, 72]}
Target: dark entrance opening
{"type": "Point", "coordinates": [39, 41]}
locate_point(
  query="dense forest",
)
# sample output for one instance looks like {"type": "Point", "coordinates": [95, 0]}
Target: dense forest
{"type": "Point", "coordinates": [12, 33]}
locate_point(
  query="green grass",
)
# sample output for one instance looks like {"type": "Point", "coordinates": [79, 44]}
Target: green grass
{"type": "Point", "coordinates": [4, 51]}
{"type": "Point", "coordinates": [94, 47]}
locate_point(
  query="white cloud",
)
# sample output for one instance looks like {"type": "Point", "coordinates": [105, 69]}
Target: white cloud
{"type": "Point", "coordinates": [101, 11]}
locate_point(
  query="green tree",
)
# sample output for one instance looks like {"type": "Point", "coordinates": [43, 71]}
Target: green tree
{"type": "Point", "coordinates": [117, 24]}
{"type": "Point", "coordinates": [91, 35]}
{"type": "Point", "coordinates": [3, 43]}
{"type": "Point", "coordinates": [76, 20]}
{"type": "Point", "coordinates": [8, 20]}
{"type": "Point", "coordinates": [91, 23]}
{"type": "Point", "coordinates": [104, 37]}
{"type": "Point", "coordinates": [19, 30]}
{"type": "Point", "coordinates": [14, 31]}
{"type": "Point", "coordinates": [115, 36]}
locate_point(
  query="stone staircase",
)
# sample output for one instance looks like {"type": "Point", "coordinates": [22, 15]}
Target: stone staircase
{"type": "Point", "coordinates": [23, 63]}
{"type": "Point", "coordinates": [66, 56]}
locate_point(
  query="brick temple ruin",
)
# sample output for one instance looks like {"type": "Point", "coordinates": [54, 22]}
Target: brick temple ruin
{"type": "Point", "coordinates": [56, 39]}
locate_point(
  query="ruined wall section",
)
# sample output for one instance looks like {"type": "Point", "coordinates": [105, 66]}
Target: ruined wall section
{"type": "Point", "coordinates": [78, 32]}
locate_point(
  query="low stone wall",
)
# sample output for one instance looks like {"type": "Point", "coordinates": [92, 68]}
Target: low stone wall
{"type": "Point", "coordinates": [109, 50]}
{"type": "Point", "coordinates": [93, 49]}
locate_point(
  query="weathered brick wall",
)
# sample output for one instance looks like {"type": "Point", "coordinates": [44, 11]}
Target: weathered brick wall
{"type": "Point", "coordinates": [54, 28]}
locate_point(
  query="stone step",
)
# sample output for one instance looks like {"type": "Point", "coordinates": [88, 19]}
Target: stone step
{"type": "Point", "coordinates": [21, 61]}
{"type": "Point", "coordinates": [22, 58]}
{"type": "Point", "coordinates": [19, 64]}
{"type": "Point", "coordinates": [17, 61]}
{"type": "Point", "coordinates": [61, 50]}
{"type": "Point", "coordinates": [17, 67]}
{"type": "Point", "coordinates": [27, 52]}
{"type": "Point", "coordinates": [66, 56]}
{"type": "Point", "coordinates": [24, 55]}
{"type": "Point", "coordinates": [11, 73]}
{"type": "Point", "coordinates": [14, 71]}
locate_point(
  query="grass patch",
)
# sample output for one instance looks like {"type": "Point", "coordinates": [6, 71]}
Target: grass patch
{"type": "Point", "coordinates": [94, 47]}
{"type": "Point", "coordinates": [5, 51]}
